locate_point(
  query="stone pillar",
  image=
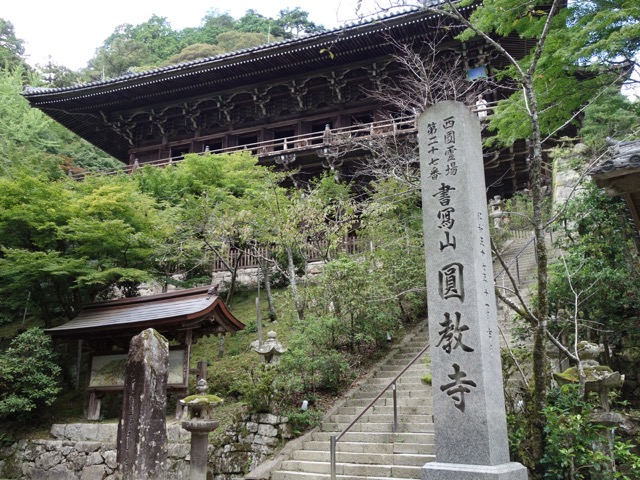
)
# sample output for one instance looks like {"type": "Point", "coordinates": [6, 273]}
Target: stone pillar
{"type": "Point", "coordinates": [468, 398]}
{"type": "Point", "coordinates": [142, 432]}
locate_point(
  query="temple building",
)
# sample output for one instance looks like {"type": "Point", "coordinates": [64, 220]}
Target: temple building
{"type": "Point", "coordinates": [286, 102]}
{"type": "Point", "coordinates": [106, 328]}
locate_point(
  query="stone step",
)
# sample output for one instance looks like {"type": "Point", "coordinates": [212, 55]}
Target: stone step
{"type": "Point", "coordinates": [372, 390]}
{"type": "Point", "coordinates": [370, 450]}
{"type": "Point", "coordinates": [425, 438]}
{"type": "Point", "coordinates": [408, 380]}
{"type": "Point", "coordinates": [354, 469]}
{"type": "Point", "coordinates": [388, 410]}
{"type": "Point", "coordinates": [389, 375]}
{"type": "Point", "coordinates": [404, 356]}
{"type": "Point", "coordinates": [403, 394]}
{"type": "Point", "coordinates": [380, 448]}
{"type": "Point", "coordinates": [282, 475]}
{"type": "Point", "coordinates": [399, 363]}
{"type": "Point", "coordinates": [414, 347]}
{"type": "Point", "coordinates": [366, 458]}
{"type": "Point", "coordinates": [416, 400]}
{"type": "Point", "coordinates": [383, 427]}
{"type": "Point", "coordinates": [391, 371]}
{"type": "Point", "coordinates": [410, 351]}
{"type": "Point", "coordinates": [381, 418]}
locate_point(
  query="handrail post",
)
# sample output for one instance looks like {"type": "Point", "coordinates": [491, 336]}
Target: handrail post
{"type": "Point", "coordinates": [333, 443]}
{"type": "Point", "coordinates": [395, 408]}
{"type": "Point", "coordinates": [333, 439]}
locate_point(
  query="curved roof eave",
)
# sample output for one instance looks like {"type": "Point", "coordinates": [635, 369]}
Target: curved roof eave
{"type": "Point", "coordinates": [262, 53]}
{"type": "Point", "coordinates": [164, 310]}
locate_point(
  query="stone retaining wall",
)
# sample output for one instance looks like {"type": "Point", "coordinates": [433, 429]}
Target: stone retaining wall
{"type": "Point", "coordinates": [88, 451]}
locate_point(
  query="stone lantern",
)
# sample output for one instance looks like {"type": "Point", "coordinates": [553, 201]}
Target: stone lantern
{"type": "Point", "coordinates": [599, 378]}
{"type": "Point", "coordinates": [200, 408]}
{"type": "Point", "coordinates": [271, 350]}
{"type": "Point", "coordinates": [496, 211]}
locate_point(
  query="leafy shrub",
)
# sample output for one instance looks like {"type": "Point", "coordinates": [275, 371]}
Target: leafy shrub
{"type": "Point", "coordinates": [5, 318]}
{"type": "Point", "coordinates": [311, 364]}
{"type": "Point", "coordinates": [302, 420]}
{"type": "Point", "coordinates": [576, 448]}
{"type": "Point", "coordinates": [259, 390]}
{"type": "Point", "coordinates": [29, 375]}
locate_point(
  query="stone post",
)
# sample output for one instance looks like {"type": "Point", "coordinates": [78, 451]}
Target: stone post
{"type": "Point", "coordinates": [142, 431]}
{"type": "Point", "coordinates": [468, 398]}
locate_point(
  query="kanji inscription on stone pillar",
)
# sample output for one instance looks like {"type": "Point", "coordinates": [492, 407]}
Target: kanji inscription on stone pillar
{"type": "Point", "coordinates": [469, 412]}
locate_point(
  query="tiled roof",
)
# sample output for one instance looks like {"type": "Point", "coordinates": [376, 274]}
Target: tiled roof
{"type": "Point", "coordinates": [181, 309]}
{"type": "Point", "coordinates": [269, 50]}
{"type": "Point", "coordinates": [95, 111]}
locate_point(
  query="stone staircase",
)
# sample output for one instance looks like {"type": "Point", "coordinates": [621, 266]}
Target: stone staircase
{"type": "Point", "coordinates": [524, 271]}
{"type": "Point", "coordinates": [370, 449]}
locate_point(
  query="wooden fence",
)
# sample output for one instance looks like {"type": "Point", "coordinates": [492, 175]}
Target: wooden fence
{"type": "Point", "coordinates": [314, 251]}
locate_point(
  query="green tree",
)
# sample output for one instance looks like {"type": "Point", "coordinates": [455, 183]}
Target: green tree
{"type": "Point", "coordinates": [303, 224]}
{"type": "Point", "coordinates": [11, 47]}
{"type": "Point", "coordinates": [575, 449]}
{"type": "Point", "coordinates": [114, 226]}
{"type": "Point", "coordinates": [66, 243]}
{"type": "Point", "coordinates": [31, 210]}
{"type": "Point", "coordinates": [213, 24]}
{"type": "Point", "coordinates": [57, 76]}
{"type": "Point", "coordinates": [253, 22]}
{"type": "Point", "coordinates": [33, 141]}
{"type": "Point", "coordinates": [194, 52]}
{"type": "Point", "coordinates": [121, 55]}
{"type": "Point", "coordinates": [215, 199]}
{"type": "Point", "coordinates": [599, 265]}
{"type": "Point", "coordinates": [144, 45]}
{"type": "Point", "coordinates": [611, 115]}
{"type": "Point", "coordinates": [391, 228]}
{"type": "Point", "coordinates": [233, 40]}
{"type": "Point", "coordinates": [295, 22]}
{"type": "Point", "coordinates": [29, 376]}
{"type": "Point", "coordinates": [554, 79]}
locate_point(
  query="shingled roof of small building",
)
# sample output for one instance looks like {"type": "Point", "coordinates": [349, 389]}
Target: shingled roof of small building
{"type": "Point", "coordinates": [169, 313]}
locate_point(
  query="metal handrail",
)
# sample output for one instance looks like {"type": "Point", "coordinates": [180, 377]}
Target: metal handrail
{"type": "Point", "coordinates": [334, 438]}
{"type": "Point", "coordinates": [515, 260]}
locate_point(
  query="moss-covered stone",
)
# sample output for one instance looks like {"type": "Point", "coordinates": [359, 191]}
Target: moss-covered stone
{"type": "Point", "coordinates": [203, 399]}
{"type": "Point", "coordinates": [596, 377]}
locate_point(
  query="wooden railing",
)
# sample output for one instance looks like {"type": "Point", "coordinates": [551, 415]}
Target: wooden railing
{"type": "Point", "coordinates": [315, 251]}
{"type": "Point", "coordinates": [279, 147]}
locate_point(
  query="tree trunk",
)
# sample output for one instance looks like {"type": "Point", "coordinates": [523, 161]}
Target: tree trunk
{"type": "Point", "coordinates": [234, 276]}
{"type": "Point", "coordinates": [293, 281]}
{"type": "Point", "coordinates": [266, 275]}
{"type": "Point", "coordinates": [540, 363]}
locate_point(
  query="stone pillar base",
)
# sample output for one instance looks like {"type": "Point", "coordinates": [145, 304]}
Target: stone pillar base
{"type": "Point", "coordinates": [458, 471]}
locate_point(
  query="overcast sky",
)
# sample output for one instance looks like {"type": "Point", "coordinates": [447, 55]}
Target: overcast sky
{"type": "Point", "coordinates": [70, 30]}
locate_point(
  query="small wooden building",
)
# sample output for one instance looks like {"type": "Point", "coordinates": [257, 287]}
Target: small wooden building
{"type": "Point", "coordinates": [106, 328]}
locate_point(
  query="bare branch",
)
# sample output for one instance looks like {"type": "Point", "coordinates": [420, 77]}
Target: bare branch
{"type": "Point", "coordinates": [513, 357]}
{"type": "Point", "coordinates": [523, 311]}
